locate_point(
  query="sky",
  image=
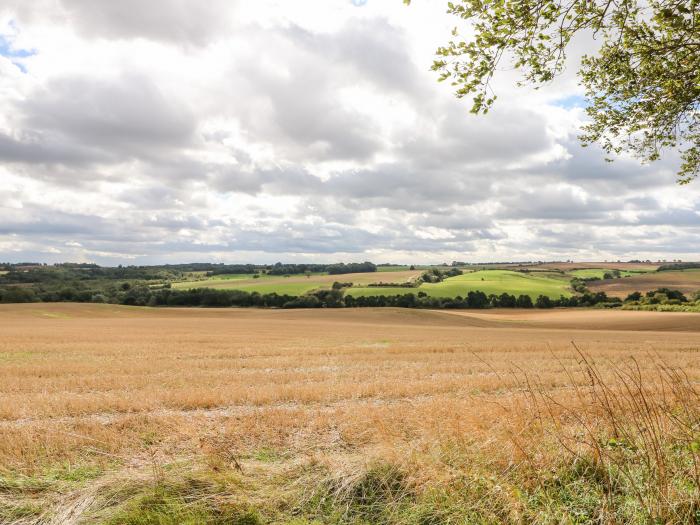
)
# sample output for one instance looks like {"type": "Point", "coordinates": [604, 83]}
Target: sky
{"type": "Point", "coordinates": [259, 131]}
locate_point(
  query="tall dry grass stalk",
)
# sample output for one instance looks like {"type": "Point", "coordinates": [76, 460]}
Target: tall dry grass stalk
{"type": "Point", "coordinates": [640, 427]}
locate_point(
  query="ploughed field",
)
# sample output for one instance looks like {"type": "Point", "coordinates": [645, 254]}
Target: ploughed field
{"type": "Point", "coordinates": [133, 415]}
{"type": "Point", "coordinates": [686, 281]}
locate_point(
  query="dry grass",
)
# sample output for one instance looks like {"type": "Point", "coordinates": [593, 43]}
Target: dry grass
{"type": "Point", "coordinates": [341, 415]}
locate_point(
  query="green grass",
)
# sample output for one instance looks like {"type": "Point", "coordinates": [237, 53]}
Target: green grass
{"type": "Point", "coordinates": [552, 284]}
{"type": "Point", "coordinates": [231, 277]}
{"type": "Point", "coordinates": [395, 268]}
{"type": "Point", "coordinates": [280, 288]}
{"type": "Point", "coordinates": [589, 273]}
{"type": "Point", "coordinates": [487, 281]}
{"type": "Point", "coordinates": [180, 505]}
{"type": "Point", "coordinates": [289, 285]}
{"type": "Point", "coordinates": [264, 284]}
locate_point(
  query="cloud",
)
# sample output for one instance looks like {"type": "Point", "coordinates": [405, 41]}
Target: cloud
{"type": "Point", "coordinates": [177, 22]}
{"type": "Point", "coordinates": [126, 114]}
{"type": "Point", "coordinates": [169, 131]}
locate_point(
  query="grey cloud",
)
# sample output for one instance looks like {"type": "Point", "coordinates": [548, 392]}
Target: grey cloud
{"type": "Point", "coordinates": [587, 166]}
{"type": "Point", "coordinates": [508, 135]}
{"type": "Point", "coordinates": [374, 51]}
{"type": "Point", "coordinates": [447, 174]}
{"type": "Point", "coordinates": [299, 108]}
{"type": "Point", "coordinates": [127, 112]}
{"type": "Point", "coordinates": [178, 22]}
{"type": "Point", "coordinates": [671, 217]}
{"type": "Point", "coordinates": [37, 148]}
{"type": "Point", "coordinates": [556, 203]}
{"type": "Point", "coordinates": [292, 180]}
{"type": "Point", "coordinates": [76, 126]}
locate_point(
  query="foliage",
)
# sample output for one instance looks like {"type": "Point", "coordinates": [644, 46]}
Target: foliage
{"type": "Point", "coordinates": [341, 268]}
{"type": "Point", "coordinates": [641, 84]}
{"type": "Point", "coordinates": [332, 269]}
{"type": "Point", "coordinates": [678, 266]}
{"type": "Point", "coordinates": [436, 275]}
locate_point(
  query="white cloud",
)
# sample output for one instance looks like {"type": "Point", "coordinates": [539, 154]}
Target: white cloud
{"type": "Point", "coordinates": [275, 130]}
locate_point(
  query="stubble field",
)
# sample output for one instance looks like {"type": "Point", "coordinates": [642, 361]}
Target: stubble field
{"type": "Point", "coordinates": [133, 415]}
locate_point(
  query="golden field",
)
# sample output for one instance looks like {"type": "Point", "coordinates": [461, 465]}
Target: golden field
{"type": "Point", "coordinates": [115, 414]}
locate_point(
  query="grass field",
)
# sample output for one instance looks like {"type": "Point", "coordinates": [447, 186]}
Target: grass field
{"type": "Point", "coordinates": [488, 281]}
{"type": "Point", "coordinates": [687, 281]}
{"type": "Point", "coordinates": [122, 415]}
{"type": "Point", "coordinates": [394, 268]}
{"type": "Point", "coordinates": [589, 273]}
{"type": "Point", "coordinates": [545, 279]}
{"type": "Point", "coordinates": [294, 284]}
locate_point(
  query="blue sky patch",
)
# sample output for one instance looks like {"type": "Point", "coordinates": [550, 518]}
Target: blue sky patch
{"type": "Point", "coordinates": [8, 50]}
{"type": "Point", "coordinates": [571, 102]}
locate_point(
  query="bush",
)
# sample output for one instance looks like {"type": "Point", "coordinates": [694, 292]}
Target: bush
{"type": "Point", "coordinates": [18, 294]}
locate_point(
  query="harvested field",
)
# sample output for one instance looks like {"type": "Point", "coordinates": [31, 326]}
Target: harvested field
{"type": "Point", "coordinates": [687, 281]}
{"type": "Point", "coordinates": [639, 267]}
{"type": "Point", "coordinates": [333, 416]}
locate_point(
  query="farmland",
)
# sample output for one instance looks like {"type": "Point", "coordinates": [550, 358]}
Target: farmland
{"type": "Point", "coordinates": [295, 284]}
{"type": "Point", "coordinates": [599, 273]}
{"type": "Point", "coordinates": [551, 280]}
{"type": "Point", "coordinates": [551, 284]}
{"type": "Point", "coordinates": [488, 281]}
{"type": "Point", "coordinates": [687, 281]}
{"type": "Point", "coordinates": [361, 285]}
{"type": "Point", "coordinates": [113, 414]}
{"type": "Point", "coordinates": [569, 266]}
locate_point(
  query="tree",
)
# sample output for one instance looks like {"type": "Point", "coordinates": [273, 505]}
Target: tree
{"type": "Point", "coordinates": [543, 302]}
{"type": "Point", "coordinates": [634, 296]}
{"type": "Point", "coordinates": [641, 84]}
{"type": "Point", "coordinates": [524, 301]}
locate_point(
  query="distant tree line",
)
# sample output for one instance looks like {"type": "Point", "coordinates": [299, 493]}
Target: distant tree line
{"type": "Point", "coordinates": [341, 268]}
{"type": "Point", "coordinates": [234, 269]}
{"type": "Point", "coordinates": [332, 269]}
{"type": "Point", "coordinates": [67, 274]}
{"type": "Point", "coordinates": [678, 266]}
{"type": "Point", "coordinates": [664, 296]}
{"type": "Point", "coordinates": [144, 295]}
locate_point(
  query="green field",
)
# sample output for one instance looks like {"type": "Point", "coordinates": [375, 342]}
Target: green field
{"type": "Point", "coordinates": [589, 273]}
{"type": "Point", "coordinates": [294, 284]}
{"type": "Point", "coordinates": [263, 284]}
{"type": "Point", "coordinates": [487, 281]}
{"type": "Point", "coordinates": [393, 268]}
{"type": "Point", "coordinates": [280, 288]}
